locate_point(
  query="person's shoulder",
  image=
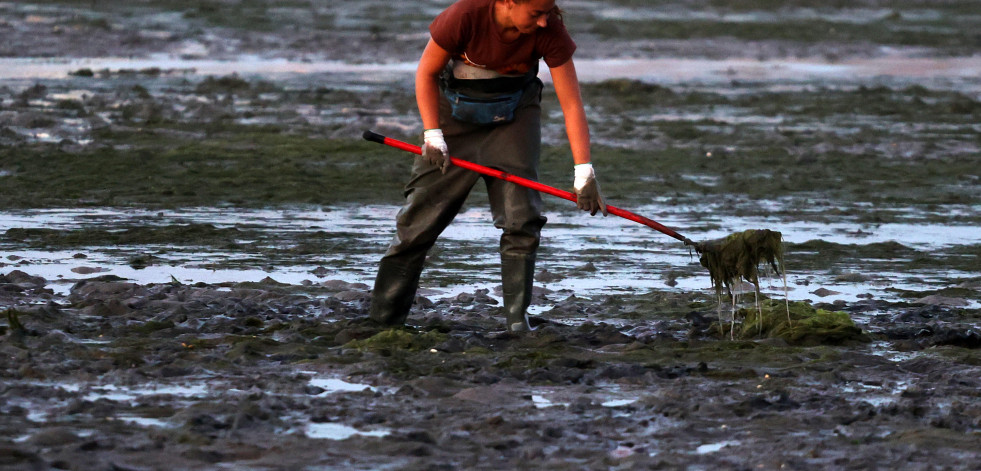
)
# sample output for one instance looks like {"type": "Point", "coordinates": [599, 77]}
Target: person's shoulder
{"type": "Point", "coordinates": [470, 6]}
{"type": "Point", "coordinates": [454, 27]}
{"type": "Point", "coordinates": [463, 13]}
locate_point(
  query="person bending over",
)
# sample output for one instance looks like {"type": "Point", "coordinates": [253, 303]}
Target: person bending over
{"type": "Point", "coordinates": [479, 97]}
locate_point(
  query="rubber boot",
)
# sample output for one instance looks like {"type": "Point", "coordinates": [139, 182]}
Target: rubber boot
{"type": "Point", "coordinates": [517, 277]}
{"type": "Point", "coordinates": [394, 292]}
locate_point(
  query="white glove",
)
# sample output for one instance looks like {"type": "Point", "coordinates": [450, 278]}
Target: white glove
{"type": "Point", "coordinates": [588, 197]}
{"type": "Point", "coordinates": [583, 173]}
{"type": "Point", "coordinates": [434, 149]}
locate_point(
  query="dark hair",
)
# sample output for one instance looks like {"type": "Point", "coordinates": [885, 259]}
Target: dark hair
{"type": "Point", "coordinates": [555, 11]}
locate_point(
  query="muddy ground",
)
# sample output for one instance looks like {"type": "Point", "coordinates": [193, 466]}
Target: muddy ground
{"type": "Point", "coordinates": [101, 371]}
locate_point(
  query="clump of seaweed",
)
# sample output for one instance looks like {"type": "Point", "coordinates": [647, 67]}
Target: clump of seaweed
{"type": "Point", "coordinates": [738, 257]}
{"type": "Point", "coordinates": [805, 326]}
{"type": "Point", "coordinates": [398, 339]}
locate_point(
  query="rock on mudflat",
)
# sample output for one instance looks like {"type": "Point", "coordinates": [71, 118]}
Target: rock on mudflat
{"type": "Point", "coordinates": [823, 292]}
{"type": "Point", "coordinates": [23, 280]}
{"type": "Point", "coordinates": [938, 300]}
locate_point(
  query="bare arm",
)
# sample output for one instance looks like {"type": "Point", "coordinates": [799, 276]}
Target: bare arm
{"type": "Point", "coordinates": [434, 58]}
{"type": "Point", "coordinates": [566, 84]}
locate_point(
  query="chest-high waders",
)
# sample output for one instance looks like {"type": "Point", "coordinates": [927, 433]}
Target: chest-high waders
{"type": "Point", "coordinates": [434, 199]}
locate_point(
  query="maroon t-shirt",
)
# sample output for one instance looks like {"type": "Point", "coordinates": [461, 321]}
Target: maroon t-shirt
{"type": "Point", "coordinates": [467, 31]}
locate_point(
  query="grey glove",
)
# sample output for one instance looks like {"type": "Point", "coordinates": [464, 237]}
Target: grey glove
{"type": "Point", "coordinates": [588, 197]}
{"type": "Point", "coordinates": [434, 149]}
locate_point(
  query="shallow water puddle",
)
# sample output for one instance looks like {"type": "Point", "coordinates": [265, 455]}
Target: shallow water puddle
{"type": "Point", "coordinates": [40, 410]}
{"type": "Point", "coordinates": [21, 68]}
{"type": "Point", "coordinates": [714, 447]}
{"type": "Point", "coordinates": [885, 350]}
{"type": "Point", "coordinates": [618, 403]}
{"type": "Point", "coordinates": [541, 402]}
{"type": "Point", "coordinates": [335, 431]}
{"type": "Point", "coordinates": [876, 394]}
{"type": "Point", "coordinates": [145, 421]}
{"type": "Point", "coordinates": [334, 385]}
{"type": "Point", "coordinates": [611, 397]}
{"type": "Point", "coordinates": [35, 415]}
{"type": "Point", "coordinates": [122, 393]}
{"type": "Point", "coordinates": [614, 256]}
{"type": "Point", "coordinates": [899, 66]}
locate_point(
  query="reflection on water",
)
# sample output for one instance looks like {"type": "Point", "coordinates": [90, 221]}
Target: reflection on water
{"type": "Point", "coordinates": [898, 67]}
{"type": "Point", "coordinates": [334, 431]}
{"type": "Point", "coordinates": [121, 394]}
{"type": "Point", "coordinates": [58, 68]}
{"type": "Point", "coordinates": [714, 447]}
{"type": "Point", "coordinates": [334, 385]}
{"type": "Point", "coordinates": [619, 402]}
{"type": "Point", "coordinates": [621, 256]}
{"type": "Point", "coordinates": [146, 421]}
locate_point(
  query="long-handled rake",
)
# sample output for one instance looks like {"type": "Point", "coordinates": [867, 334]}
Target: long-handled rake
{"type": "Point", "coordinates": [729, 259]}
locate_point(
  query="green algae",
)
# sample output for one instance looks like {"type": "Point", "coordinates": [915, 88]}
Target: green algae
{"type": "Point", "coordinates": [252, 348]}
{"type": "Point", "coordinates": [225, 84]}
{"type": "Point", "coordinates": [244, 166]}
{"type": "Point", "coordinates": [187, 160]}
{"type": "Point", "coordinates": [523, 360]}
{"type": "Point", "coordinates": [248, 347]}
{"type": "Point", "coordinates": [152, 326]}
{"type": "Point", "coordinates": [399, 339]}
{"type": "Point", "coordinates": [807, 325]}
{"type": "Point", "coordinates": [738, 257]}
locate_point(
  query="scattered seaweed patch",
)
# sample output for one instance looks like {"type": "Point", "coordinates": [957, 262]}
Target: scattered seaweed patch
{"type": "Point", "coordinates": [398, 339]}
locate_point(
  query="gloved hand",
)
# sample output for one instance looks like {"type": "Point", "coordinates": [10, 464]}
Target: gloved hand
{"type": "Point", "coordinates": [434, 149]}
{"type": "Point", "coordinates": [587, 190]}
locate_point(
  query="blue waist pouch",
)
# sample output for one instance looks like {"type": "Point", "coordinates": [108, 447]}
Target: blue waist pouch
{"type": "Point", "coordinates": [483, 110]}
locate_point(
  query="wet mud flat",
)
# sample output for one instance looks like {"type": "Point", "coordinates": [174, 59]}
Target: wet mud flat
{"type": "Point", "coordinates": [111, 172]}
{"type": "Point", "coordinates": [120, 375]}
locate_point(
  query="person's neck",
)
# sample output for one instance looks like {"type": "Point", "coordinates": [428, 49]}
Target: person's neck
{"type": "Point", "coordinates": [502, 18]}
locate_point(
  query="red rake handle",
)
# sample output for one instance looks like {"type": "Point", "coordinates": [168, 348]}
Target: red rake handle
{"type": "Point", "coordinates": [375, 137]}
